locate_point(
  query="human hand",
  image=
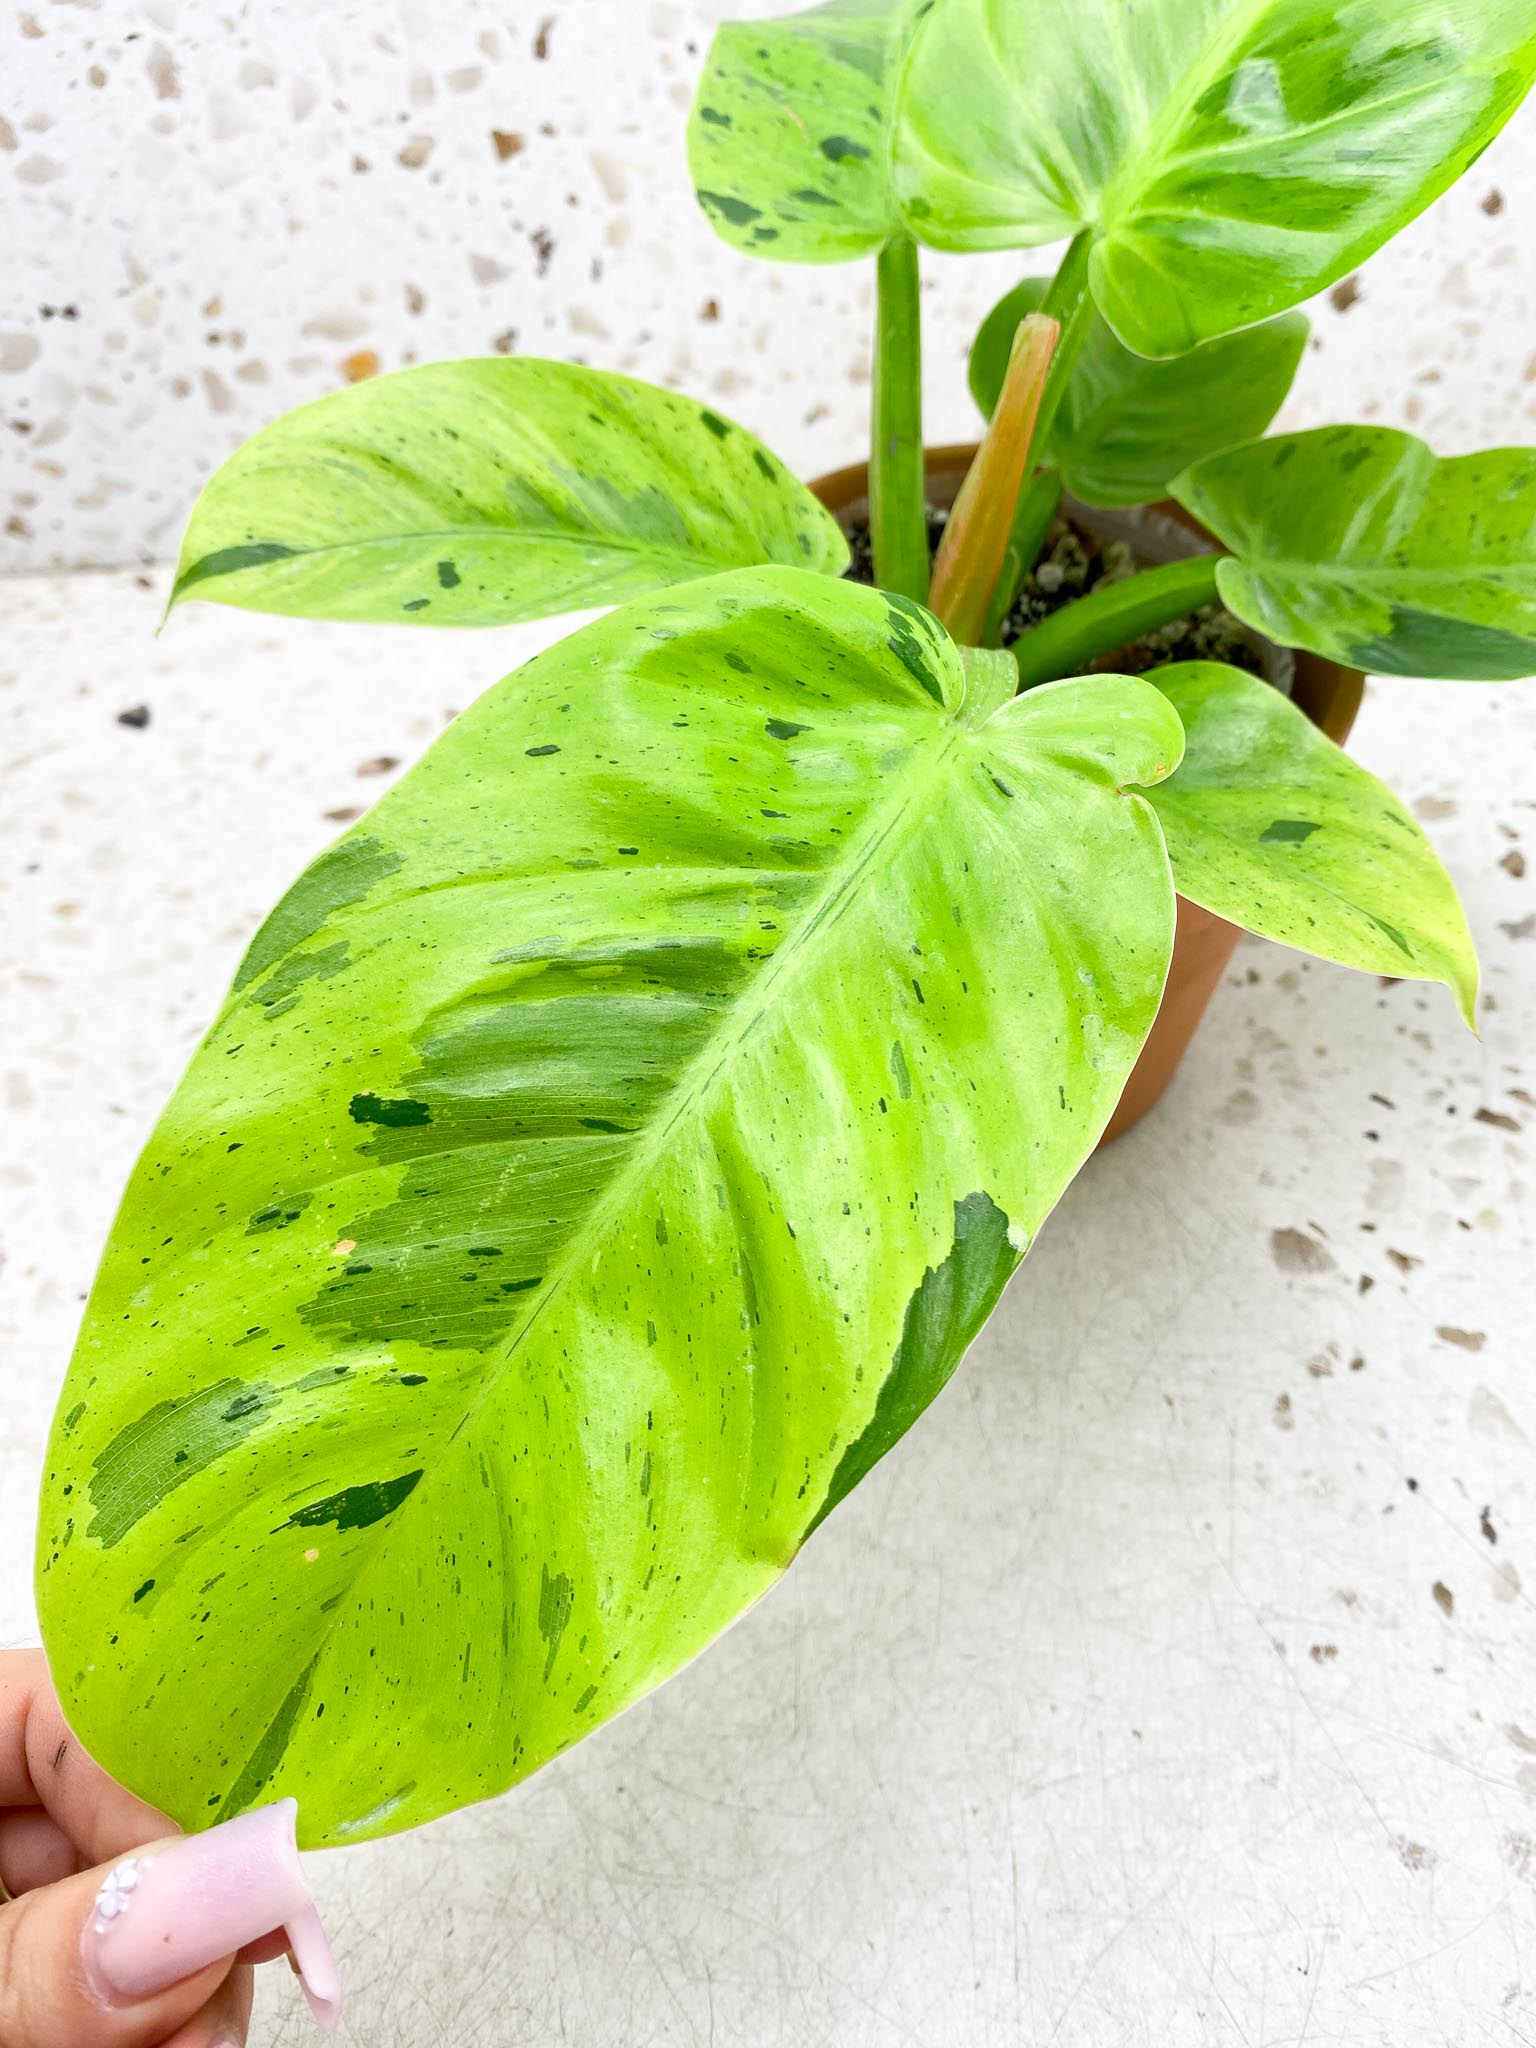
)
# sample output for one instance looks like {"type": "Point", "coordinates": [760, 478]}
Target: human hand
{"type": "Point", "coordinates": [115, 1930]}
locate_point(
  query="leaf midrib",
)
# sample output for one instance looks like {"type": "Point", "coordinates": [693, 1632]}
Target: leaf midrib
{"type": "Point", "coordinates": [901, 809]}
{"type": "Point", "coordinates": [550, 536]}
{"type": "Point", "coordinates": [1173, 114]}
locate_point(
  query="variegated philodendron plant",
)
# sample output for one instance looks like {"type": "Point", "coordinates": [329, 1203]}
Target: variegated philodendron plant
{"type": "Point", "coordinates": [610, 1145]}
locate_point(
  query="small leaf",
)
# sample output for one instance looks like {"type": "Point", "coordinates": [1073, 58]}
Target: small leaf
{"type": "Point", "coordinates": [1128, 425]}
{"type": "Point", "coordinates": [789, 141]}
{"type": "Point", "coordinates": [1231, 156]}
{"type": "Point", "coordinates": [1273, 827]}
{"type": "Point", "coordinates": [481, 492]}
{"type": "Point", "coordinates": [1356, 542]}
{"type": "Point", "coordinates": [639, 1184]}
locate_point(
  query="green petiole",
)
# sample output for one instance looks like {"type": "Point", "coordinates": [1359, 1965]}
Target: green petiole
{"type": "Point", "coordinates": [898, 518]}
{"type": "Point", "coordinates": [1070, 304]}
{"type": "Point", "coordinates": [1067, 642]}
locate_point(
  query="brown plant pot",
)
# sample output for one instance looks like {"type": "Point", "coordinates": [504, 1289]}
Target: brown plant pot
{"type": "Point", "coordinates": [1328, 694]}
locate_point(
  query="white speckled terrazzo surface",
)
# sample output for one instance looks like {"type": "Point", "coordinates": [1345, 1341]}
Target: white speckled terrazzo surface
{"type": "Point", "coordinates": [208, 212]}
{"type": "Point", "coordinates": [1174, 1684]}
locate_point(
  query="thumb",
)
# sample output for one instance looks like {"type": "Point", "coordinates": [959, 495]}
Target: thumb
{"type": "Point", "coordinates": [125, 1955]}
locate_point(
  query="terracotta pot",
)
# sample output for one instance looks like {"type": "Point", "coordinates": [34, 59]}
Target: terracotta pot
{"type": "Point", "coordinates": [1328, 694]}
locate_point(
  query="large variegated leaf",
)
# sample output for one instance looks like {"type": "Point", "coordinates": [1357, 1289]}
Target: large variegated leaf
{"type": "Point", "coordinates": [789, 138]}
{"type": "Point", "coordinates": [1230, 156]}
{"type": "Point", "coordinates": [1126, 426]}
{"type": "Point", "coordinates": [1356, 542]}
{"type": "Point", "coordinates": [479, 492]}
{"type": "Point", "coordinates": [607, 1150]}
{"type": "Point", "coordinates": [1273, 827]}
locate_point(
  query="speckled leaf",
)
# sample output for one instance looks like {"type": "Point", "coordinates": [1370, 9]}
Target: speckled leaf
{"type": "Point", "coordinates": [607, 1150]}
{"type": "Point", "coordinates": [1230, 156]}
{"type": "Point", "coordinates": [1358, 543]}
{"type": "Point", "coordinates": [480, 492]}
{"type": "Point", "coordinates": [1127, 425]}
{"type": "Point", "coordinates": [789, 138]}
{"type": "Point", "coordinates": [1272, 826]}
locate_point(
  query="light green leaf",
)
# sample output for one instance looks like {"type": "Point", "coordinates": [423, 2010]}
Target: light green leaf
{"type": "Point", "coordinates": [789, 137]}
{"type": "Point", "coordinates": [1356, 542]}
{"type": "Point", "coordinates": [1126, 425]}
{"type": "Point", "coordinates": [1230, 156]}
{"type": "Point", "coordinates": [1272, 826]}
{"type": "Point", "coordinates": [480, 492]}
{"type": "Point", "coordinates": [607, 1150]}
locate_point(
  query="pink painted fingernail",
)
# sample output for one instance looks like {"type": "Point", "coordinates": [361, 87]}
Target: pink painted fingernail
{"type": "Point", "coordinates": [171, 1909]}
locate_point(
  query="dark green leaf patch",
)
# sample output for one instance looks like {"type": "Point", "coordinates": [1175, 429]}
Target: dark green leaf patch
{"type": "Point", "coordinates": [1288, 832]}
{"type": "Point", "coordinates": [169, 1444]}
{"type": "Point", "coordinates": [356, 1507]}
{"type": "Point", "coordinates": [397, 1113]}
{"type": "Point", "coordinates": [343, 875]}
{"type": "Point", "coordinates": [230, 561]}
{"type": "Point", "coordinates": [951, 1303]}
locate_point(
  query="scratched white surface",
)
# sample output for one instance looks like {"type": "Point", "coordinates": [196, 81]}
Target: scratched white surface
{"type": "Point", "coordinates": [1173, 1685]}
{"type": "Point", "coordinates": [1119, 1708]}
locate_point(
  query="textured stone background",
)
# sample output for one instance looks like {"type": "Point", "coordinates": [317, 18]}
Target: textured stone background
{"type": "Point", "coordinates": [1174, 1684]}
{"type": "Point", "coordinates": [208, 212]}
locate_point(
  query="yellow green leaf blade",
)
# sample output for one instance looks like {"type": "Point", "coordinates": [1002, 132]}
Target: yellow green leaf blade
{"type": "Point", "coordinates": [1231, 156]}
{"type": "Point", "coordinates": [481, 492]}
{"type": "Point", "coordinates": [1362, 545]}
{"type": "Point", "coordinates": [1272, 826]}
{"type": "Point", "coordinates": [789, 136]}
{"type": "Point", "coordinates": [593, 1158]}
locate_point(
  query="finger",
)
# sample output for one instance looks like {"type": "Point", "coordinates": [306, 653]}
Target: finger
{"type": "Point", "coordinates": [41, 1764]}
{"type": "Point", "coordinates": [55, 1992]}
{"type": "Point", "coordinates": [34, 1850]}
{"type": "Point", "coordinates": [129, 1955]}
{"type": "Point", "coordinates": [225, 2020]}
{"type": "Point", "coordinates": [267, 1950]}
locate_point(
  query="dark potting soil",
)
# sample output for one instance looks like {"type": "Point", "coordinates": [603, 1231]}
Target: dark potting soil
{"type": "Point", "coordinates": [1072, 563]}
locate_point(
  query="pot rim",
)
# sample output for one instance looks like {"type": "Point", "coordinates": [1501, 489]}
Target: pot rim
{"type": "Point", "coordinates": [1327, 691]}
